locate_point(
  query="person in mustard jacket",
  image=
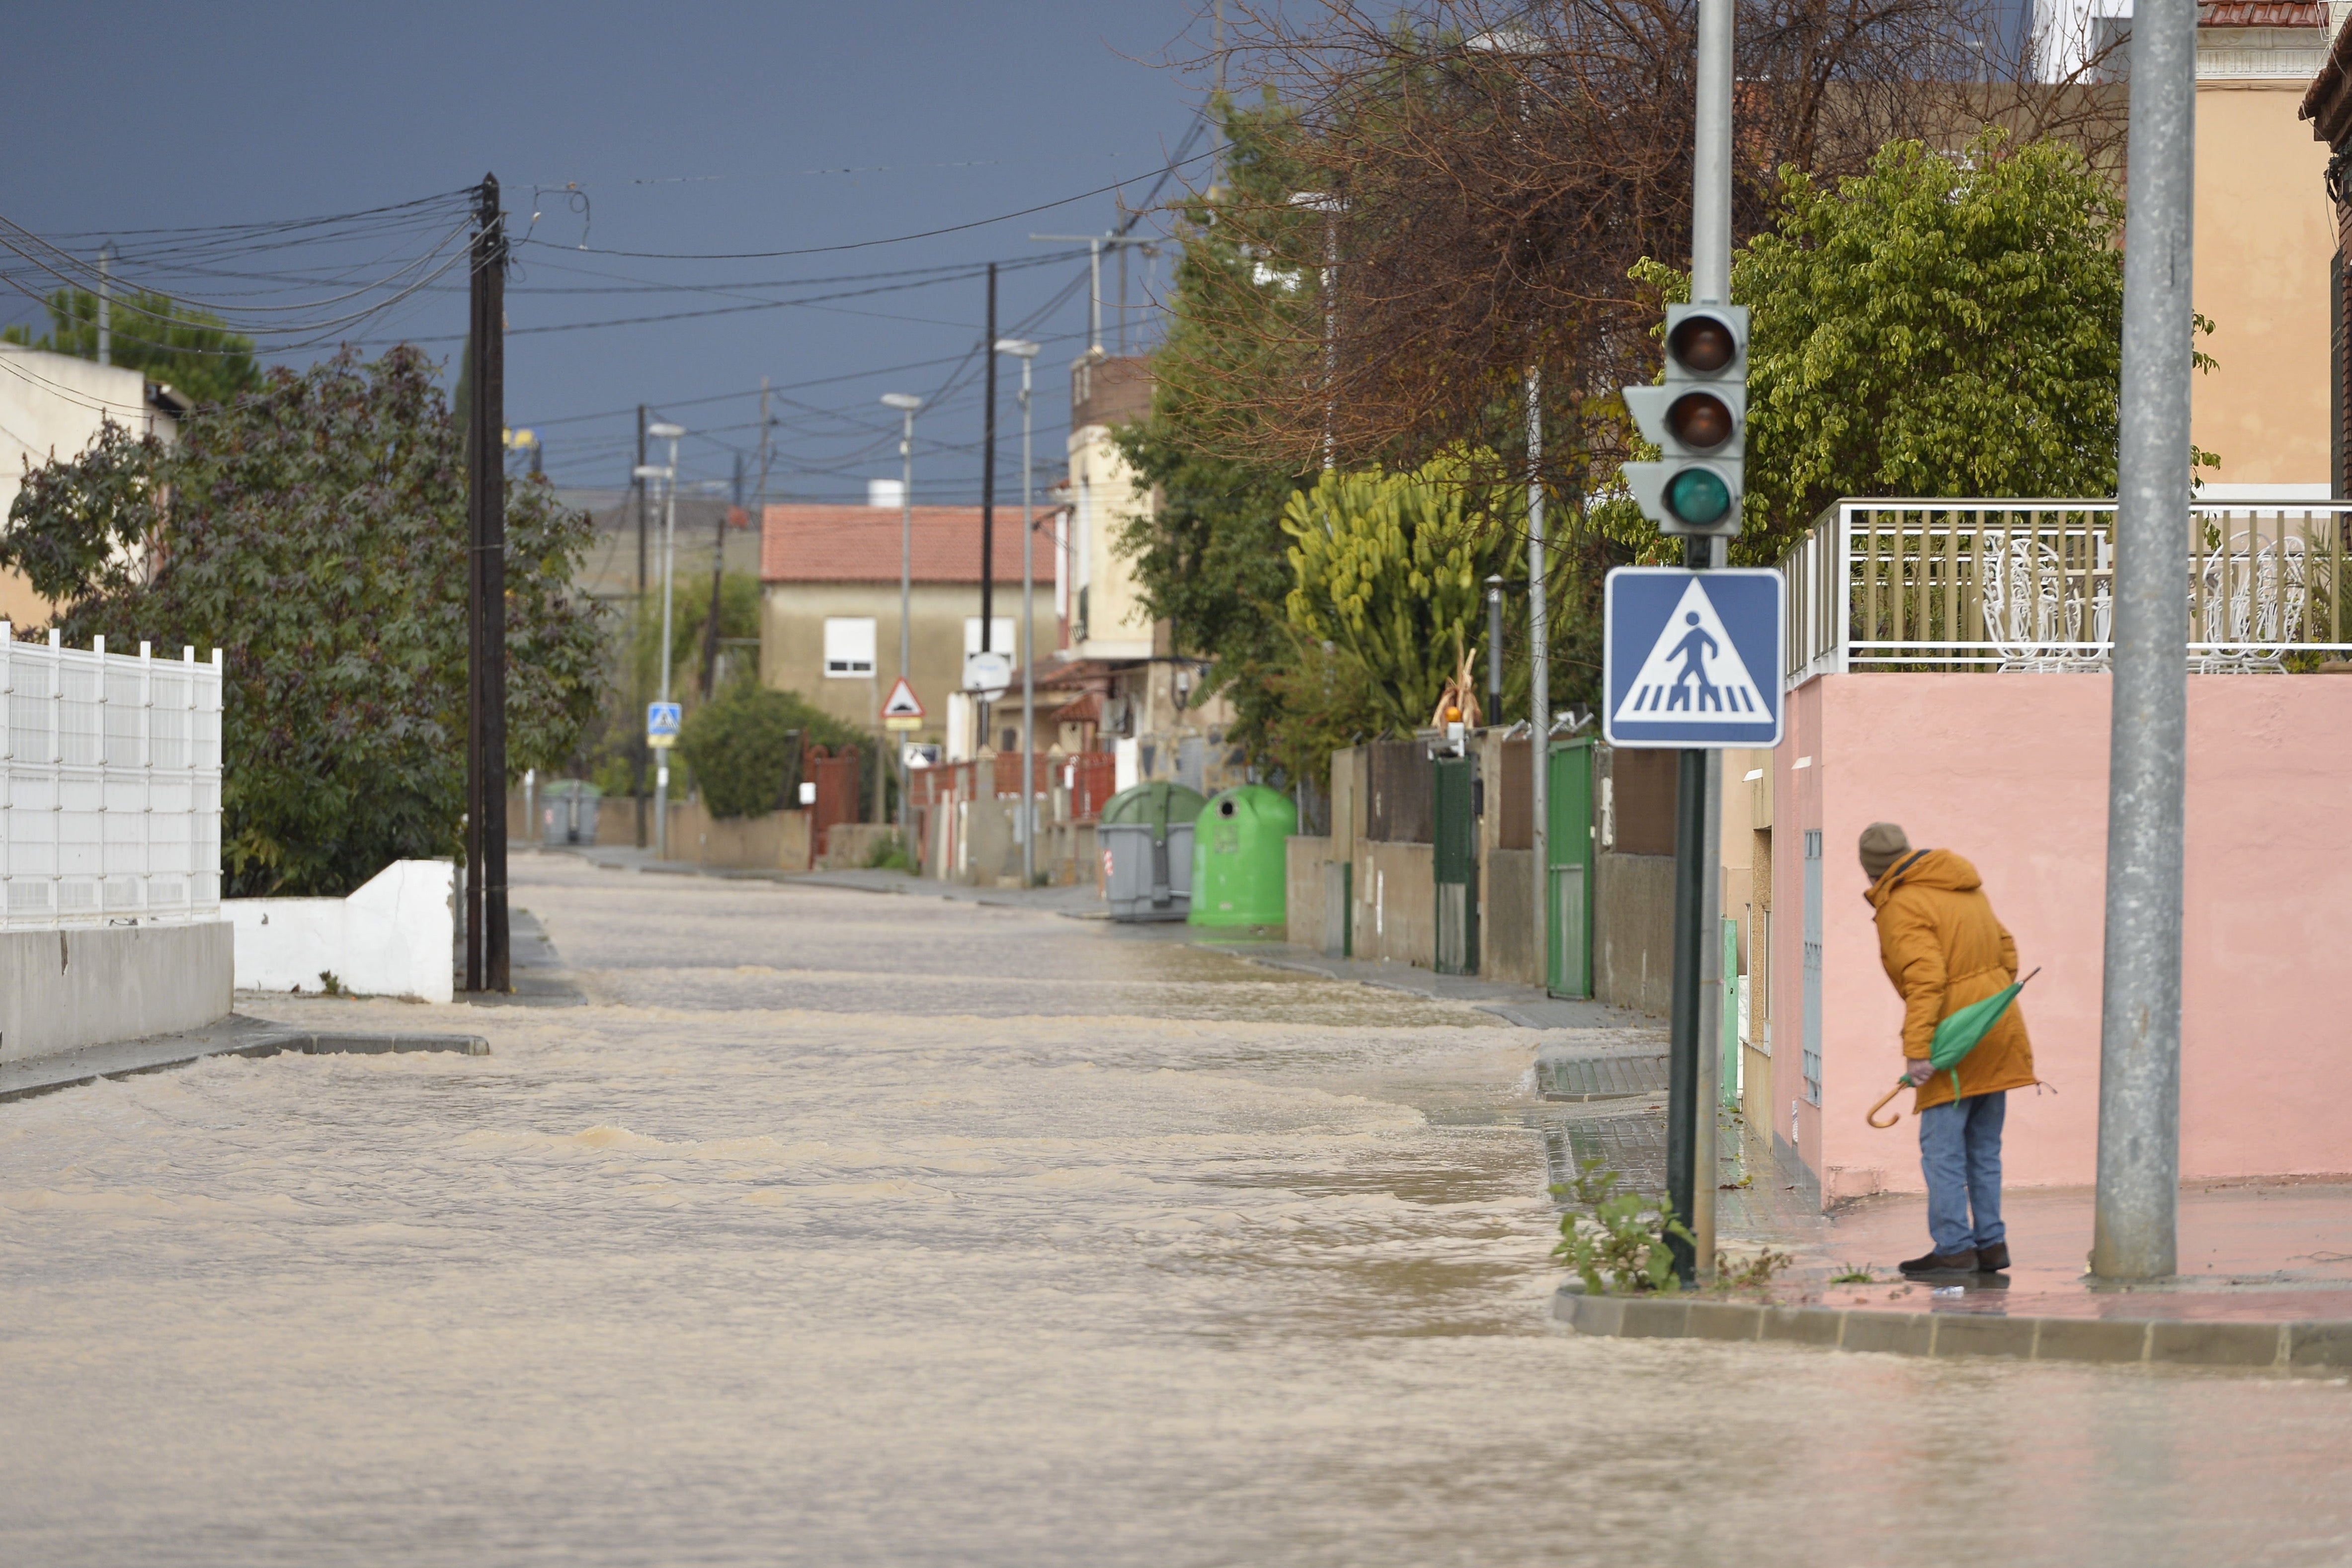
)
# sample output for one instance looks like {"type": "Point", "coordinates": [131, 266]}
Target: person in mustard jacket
{"type": "Point", "coordinates": [1944, 948]}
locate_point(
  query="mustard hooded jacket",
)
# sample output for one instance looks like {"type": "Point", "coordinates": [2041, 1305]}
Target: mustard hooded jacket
{"type": "Point", "coordinates": [1944, 948]}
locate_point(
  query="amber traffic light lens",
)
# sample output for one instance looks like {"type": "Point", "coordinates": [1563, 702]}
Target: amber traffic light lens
{"type": "Point", "coordinates": [1702, 344]}
{"type": "Point", "coordinates": [1700, 420]}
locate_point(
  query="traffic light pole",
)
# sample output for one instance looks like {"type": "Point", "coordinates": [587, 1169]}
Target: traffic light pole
{"type": "Point", "coordinates": [1693, 1065]}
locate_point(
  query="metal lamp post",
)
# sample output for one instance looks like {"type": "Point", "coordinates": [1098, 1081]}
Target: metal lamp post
{"type": "Point", "coordinates": [906, 403]}
{"type": "Point", "coordinates": [671, 434]}
{"type": "Point", "coordinates": [1026, 351]}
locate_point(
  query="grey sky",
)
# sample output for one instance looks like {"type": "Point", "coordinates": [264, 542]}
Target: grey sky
{"type": "Point", "coordinates": [691, 128]}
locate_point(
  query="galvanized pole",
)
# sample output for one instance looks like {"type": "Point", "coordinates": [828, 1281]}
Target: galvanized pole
{"type": "Point", "coordinates": [668, 582]}
{"type": "Point", "coordinates": [906, 593]}
{"type": "Point", "coordinates": [1026, 643]}
{"type": "Point", "coordinates": [1539, 685]}
{"type": "Point", "coordinates": [1694, 1065]}
{"type": "Point", "coordinates": [2133, 1229]}
{"type": "Point", "coordinates": [638, 752]}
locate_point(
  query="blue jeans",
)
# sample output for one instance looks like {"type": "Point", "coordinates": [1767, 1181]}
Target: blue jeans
{"type": "Point", "coordinates": [1960, 1152]}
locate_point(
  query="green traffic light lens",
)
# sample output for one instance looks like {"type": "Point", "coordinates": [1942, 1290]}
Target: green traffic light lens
{"type": "Point", "coordinates": [1698, 497]}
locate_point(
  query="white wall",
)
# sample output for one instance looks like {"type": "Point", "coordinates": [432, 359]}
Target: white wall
{"type": "Point", "coordinates": [394, 937]}
{"type": "Point", "coordinates": [60, 989]}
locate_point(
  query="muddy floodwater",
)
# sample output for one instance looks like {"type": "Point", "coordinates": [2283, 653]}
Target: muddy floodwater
{"type": "Point", "coordinates": [850, 1229]}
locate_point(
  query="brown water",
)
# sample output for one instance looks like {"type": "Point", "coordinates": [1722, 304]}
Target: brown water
{"type": "Point", "coordinates": [847, 1229]}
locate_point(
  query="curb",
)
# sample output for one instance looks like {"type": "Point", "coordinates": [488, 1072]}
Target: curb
{"type": "Point", "coordinates": [2293, 1348]}
{"type": "Point", "coordinates": [234, 1036]}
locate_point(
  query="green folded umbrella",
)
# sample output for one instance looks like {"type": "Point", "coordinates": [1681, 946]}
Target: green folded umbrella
{"type": "Point", "coordinates": [1958, 1034]}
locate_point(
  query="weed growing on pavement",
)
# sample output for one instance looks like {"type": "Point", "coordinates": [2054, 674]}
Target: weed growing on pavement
{"type": "Point", "coordinates": [1615, 1241]}
{"type": "Point", "coordinates": [889, 854]}
{"type": "Point", "coordinates": [1750, 1274]}
{"type": "Point", "coordinates": [1851, 1275]}
{"type": "Point", "coordinates": [332, 985]}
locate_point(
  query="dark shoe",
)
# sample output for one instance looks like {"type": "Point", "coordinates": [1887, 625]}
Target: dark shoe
{"type": "Point", "coordinates": [1939, 1265]}
{"type": "Point", "coordinates": [1993, 1259]}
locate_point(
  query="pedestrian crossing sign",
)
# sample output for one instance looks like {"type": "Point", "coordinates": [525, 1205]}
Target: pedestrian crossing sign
{"type": "Point", "coordinates": [1692, 659]}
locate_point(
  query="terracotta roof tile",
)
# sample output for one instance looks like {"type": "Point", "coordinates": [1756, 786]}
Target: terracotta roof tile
{"type": "Point", "coordinates": [2261, 14]}
{"type": "Point", "coordinates": [860, 544]}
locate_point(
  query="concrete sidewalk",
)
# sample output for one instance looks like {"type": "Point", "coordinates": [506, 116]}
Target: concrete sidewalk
{"type": "Point", "coordinates": [2265, 1282]}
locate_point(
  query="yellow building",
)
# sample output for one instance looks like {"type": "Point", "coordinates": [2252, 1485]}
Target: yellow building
{"type": "Point", "coordinates": [2265, 240]}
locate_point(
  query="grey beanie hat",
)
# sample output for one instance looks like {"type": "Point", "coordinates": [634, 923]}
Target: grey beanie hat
{"type": "Point", "coordinates": [1882, 844]}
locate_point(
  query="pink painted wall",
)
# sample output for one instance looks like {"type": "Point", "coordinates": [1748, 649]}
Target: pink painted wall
{"type": "Point", "coordinates": [2011, 772]}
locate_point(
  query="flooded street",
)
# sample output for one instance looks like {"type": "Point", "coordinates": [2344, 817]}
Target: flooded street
{"type": "Point", "coordinates": [851, 1229]}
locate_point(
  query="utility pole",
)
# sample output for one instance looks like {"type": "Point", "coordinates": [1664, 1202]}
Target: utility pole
{"type": "Point", "coordinates": [636, 692]}
{"type": "Point", "coordinates": [1495, 652]}
{"type": "Point", "coordinates": [2134, 1227]}
{"type": "Point", "coordinates": [106, 303]}
{"type": "Point", "coordinates": [718, 577]}
{"type": "Point", "coordinates": [906, 403]}
{"type": "Point", "coordinates": [665, 431]}
{"type": "Point", "coordinates": [487, 933]}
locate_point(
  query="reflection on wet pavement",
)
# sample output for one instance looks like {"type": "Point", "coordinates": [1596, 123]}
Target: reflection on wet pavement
{"type": "Point", "coordinates": [846, 1229]}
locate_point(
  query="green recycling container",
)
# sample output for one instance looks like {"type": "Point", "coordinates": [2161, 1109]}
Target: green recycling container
{"type": "Point", "coordinates": [1238, 858]}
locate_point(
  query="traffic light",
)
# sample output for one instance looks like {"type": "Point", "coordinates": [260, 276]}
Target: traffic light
{"type": "Point", "coordinates": [1698, 418]}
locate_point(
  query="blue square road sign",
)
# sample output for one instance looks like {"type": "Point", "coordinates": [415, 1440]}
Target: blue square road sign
{"type": "Point", "coordinates": [1692, 659]}
{"type": "Point", "coordinates": [661, 723]}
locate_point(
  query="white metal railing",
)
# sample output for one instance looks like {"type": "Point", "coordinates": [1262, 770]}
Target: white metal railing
{"type": "Point", "coordinates": [2029, 585]}
{"type": "Point", "coordinates": [110, 784]}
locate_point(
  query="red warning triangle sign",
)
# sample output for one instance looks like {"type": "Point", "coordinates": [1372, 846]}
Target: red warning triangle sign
{"type": "Point", "coordinates": [903, 703]}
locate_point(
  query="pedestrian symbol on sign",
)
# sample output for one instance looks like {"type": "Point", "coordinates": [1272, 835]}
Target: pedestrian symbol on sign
{"type": "Point", "coordinates": [661, 724]}
{"type": "Point", "coordinates": [1682, 650]}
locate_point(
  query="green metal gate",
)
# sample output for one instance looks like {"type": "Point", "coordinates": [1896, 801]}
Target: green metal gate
{"type": "Point", "coordinates": [1569, 846]}
{"type": "Point", "coordinates": [1456, 845]}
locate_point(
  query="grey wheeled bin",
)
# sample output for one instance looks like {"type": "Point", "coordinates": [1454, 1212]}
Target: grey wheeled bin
{"type": "Point", "coordinates": [1146, 834]}
{"type": "Point", "coordinates": [567, 811]}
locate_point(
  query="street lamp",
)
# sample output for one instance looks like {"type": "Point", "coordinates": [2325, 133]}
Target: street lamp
{"type": "Point", "coordinates": [665, 431]}
{"type": "Point", "coordinates": [1026, 351]}
{"type": "Point", "coordinates": [1331, 206]}
{"type": "Point", "coordinates": [906, 403]}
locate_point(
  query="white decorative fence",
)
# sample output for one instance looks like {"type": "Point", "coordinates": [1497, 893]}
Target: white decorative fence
{"type": "Point", "coordinates": [110, 786]}
{"type": "Point", "coordinates": [2029, 586]}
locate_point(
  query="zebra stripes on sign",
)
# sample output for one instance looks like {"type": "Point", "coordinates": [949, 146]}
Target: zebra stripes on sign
{"type": "Point", "coordinates": [1683, 653]}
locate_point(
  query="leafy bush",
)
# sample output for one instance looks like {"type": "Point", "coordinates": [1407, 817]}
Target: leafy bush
{"type": "Point", "coordinates": [316, 532]}
{"type": "Point", "coordinates": [1616, 1241]}
{"type": "Point", "coordinates": [746, 744]}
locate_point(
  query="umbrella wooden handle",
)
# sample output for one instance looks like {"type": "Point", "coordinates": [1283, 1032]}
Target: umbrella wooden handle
{"type": "Point", "coordinates": [1872, 1115]}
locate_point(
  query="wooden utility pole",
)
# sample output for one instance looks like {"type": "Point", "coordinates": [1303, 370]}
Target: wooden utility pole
{"type": "Point", "coordinates": [487, 965]}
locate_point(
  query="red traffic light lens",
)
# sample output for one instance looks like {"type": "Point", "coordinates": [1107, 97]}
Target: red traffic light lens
{"type": "Point", "coordinates": [1699, 420]}
{"type": "Point", "coordinates": [1702, 344]}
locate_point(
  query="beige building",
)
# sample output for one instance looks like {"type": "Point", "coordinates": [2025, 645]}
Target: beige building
{"type": "Point", "coordinates": [52, 406]}
{"type": "Point", "coordinates": [829, 629]}
{"type": "Point", "coordinates": [2265, 237]}
{"type": "Point", "coordinates": [1116, 685]}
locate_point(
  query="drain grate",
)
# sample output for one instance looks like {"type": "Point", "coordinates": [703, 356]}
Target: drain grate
{"type": "Point", "coordinates": [1599, 1078]}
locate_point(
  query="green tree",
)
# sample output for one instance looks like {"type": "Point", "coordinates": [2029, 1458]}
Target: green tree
{"type": "Point", "coordinates": [746, 744]}
{"type": "Point", "coordinates": [191, 351]}
{"type": "Point", "coordinates": [1391, 572]}
{"type": "Point", "coordinates": [316, 532]}
{"type": "Point", "coordinates": [1940, 325]}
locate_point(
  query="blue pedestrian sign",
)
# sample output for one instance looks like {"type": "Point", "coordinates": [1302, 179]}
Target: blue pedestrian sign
{"type": "Point", "coordinates": [661, 723]}
{"type": "Point", "coordinates": [1692, 659]}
